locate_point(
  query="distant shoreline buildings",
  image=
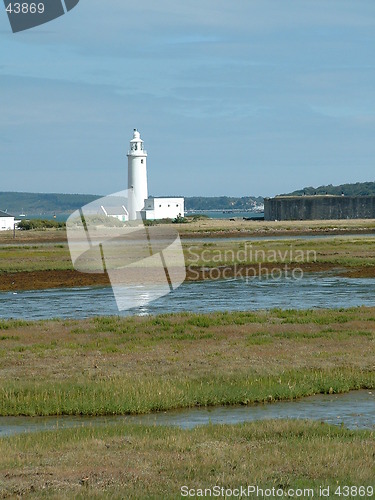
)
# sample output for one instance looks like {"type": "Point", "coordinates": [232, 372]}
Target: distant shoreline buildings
{"type": "Point", "coordinates": [7, 221]}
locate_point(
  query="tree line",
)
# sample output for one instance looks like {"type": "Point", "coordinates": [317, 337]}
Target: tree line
{"type": "Point", "coordinates": [357, 189]}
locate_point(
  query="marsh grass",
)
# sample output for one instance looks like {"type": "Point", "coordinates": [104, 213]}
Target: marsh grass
{"type": "Point", "coordinates": [134, 395]}
{"type": "Point", "coordinates": [129, 461]}
{"type": "Point", "coordinates": [336, 251]}
{"type": "Point", "coordinates": [113, 365]}
{"type": "Point", "coordinates": [12, 323]}
{"type": "Point", "coordinates": [340, 251]}
{"type": "Point", "coordinates": [31, 258]}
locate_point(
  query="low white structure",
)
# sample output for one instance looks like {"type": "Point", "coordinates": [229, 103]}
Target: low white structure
{"type": "Point", "coordinates": [119, 213]}
{"type": "Point", "coordinates": [7, 221]}
{"type": "Point", "coordinates": [140, 205]}
{"type": "Point", "coordinates": [163, 208]}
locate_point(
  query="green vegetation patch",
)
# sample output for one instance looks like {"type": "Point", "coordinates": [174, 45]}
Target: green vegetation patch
{"type": "Point", "coordinates": [145, 394]}
{"type": "Point", "coordinates": [115, 365]}
{"type": "Point", "coordinates": [27, 225]}
{"type": "Point", "coordinates": [117, 461]}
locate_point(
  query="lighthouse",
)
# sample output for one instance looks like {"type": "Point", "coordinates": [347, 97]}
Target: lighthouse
{"type": "Point", "coordinates": [140, 206]}
{"type": "Point", "coordinates": [137, 176]}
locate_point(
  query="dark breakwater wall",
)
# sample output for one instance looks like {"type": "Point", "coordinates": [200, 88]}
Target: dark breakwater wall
{"type": "Point", "coordinates": [319, 207]}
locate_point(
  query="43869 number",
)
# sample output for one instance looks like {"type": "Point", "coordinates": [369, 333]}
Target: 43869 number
{"type": "Point", "coordinates": [25, 8]}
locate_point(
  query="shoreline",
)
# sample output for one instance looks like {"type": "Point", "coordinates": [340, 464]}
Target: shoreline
{"type": "Point", "coordinates": [39, 239]}
{"type": "Point", "coordinates": [37, 260]}
{"type": "Point", "coordinates": [37, 280]}
{"type": "Point", "coordinates": [272, 233]}
{"type": "Point", "coordinates": [223, 228]}
{"type": "Point", "coordinates": [300, 394]}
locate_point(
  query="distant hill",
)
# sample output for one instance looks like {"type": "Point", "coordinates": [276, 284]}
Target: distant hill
{"type": "Point", "coordinates": [357, 189]}
{"type": "Point", "coordinates": [55, 203]}
{"type": "Point", "coordinates": [43, 204]}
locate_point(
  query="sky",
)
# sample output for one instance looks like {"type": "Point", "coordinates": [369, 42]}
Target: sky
{"type": "Point", "coordinates": [239, 98]}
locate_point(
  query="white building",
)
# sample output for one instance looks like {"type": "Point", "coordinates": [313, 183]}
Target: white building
{"type": "Point", "coordinates": [6, 221]}
{"type": "Point", "coordinates": [119, 213]}
{"type": "Point", "coordinates": [140, 205]}
{"type": "Point", "coordinates": [163, 208]}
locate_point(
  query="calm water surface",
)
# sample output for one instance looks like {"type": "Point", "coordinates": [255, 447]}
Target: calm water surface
{"type": "Point", "coordinates": [312, 291]}
{"type": "Point", "coordinates": [354, 410]}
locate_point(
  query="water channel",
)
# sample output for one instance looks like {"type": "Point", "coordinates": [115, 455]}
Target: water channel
{"type": "Point", "coordinates": [354, 410]}
{"type": "Point", "coordinates": [314, 290]}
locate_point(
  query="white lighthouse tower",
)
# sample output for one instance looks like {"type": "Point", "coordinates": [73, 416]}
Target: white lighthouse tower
{"type": "Point", "coordinates": [137, 176]}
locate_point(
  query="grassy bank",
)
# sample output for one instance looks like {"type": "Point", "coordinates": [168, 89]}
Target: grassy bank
{"type": "Point", "coordinates": [338, 251]}
{"type": "Point", "coordinates": [136, 365]}
{"type": "Point", "coordinates": [29, 258]}
{"type": "Point", "coordinates": [345, 252]}
{"type": "Point", "coordinates": [125, 461]}
{"type": "Point", "coordinates": [220, 227]}
{"type": "Point", "coordinates": [38, 266]}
